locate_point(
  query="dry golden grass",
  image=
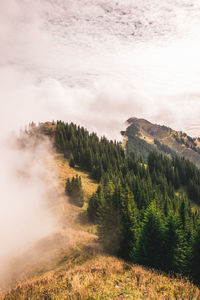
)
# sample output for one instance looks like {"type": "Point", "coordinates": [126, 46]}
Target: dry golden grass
{"type": "Point", "coordinates": [80, 270]}
{"type": "Point", "coordinates": [64, 171]}
{"type": "Point", "coordinates": [86, 273]}
{"type": "Point", "coordinates": [72, 228]}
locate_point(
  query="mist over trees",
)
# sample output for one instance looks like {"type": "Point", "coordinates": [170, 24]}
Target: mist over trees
{"type": "Point", "coordinates": [147, 213]}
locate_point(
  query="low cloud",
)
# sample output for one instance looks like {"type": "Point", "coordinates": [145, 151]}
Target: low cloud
{"type": "Point", "coordinates": [26, 189]}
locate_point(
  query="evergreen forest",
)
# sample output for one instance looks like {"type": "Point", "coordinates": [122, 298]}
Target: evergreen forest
{"type": "Point", "coordinates": [146, 212]}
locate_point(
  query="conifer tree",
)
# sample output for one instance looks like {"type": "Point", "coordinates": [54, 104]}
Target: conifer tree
{"type": "Point", "coordinates": [109, 221]}
{"type": "Point", "coordinates": [175, 245]}
{"type": "Point", "coordinates": [94, 203]}
{"type": "Point", "coordinates": [195, 256]}
{"type": "Point", "coordinates": [149, 246]}
{"type": "Point", "coordinates": [130, 220]}
{"type": "Point", "coordinates": [72, 162]}
{"type": "Point", "coordinates": [73, 188]}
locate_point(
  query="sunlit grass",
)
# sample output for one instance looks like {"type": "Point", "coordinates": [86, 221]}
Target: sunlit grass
{"type": "Point", "coordinates": [89, 185]}
{"type": "Point", "coordinates": [89, 274]}
{"type": "Point", "coordinates": [83, 271]}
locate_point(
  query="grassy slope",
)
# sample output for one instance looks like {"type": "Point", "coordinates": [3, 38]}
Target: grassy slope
{"type": "Point", "coordinates": [82, 271]}
{"type": "Point", "coordinates": [89, 186]}
{"type": "Point", "coordinates": [87, 274]}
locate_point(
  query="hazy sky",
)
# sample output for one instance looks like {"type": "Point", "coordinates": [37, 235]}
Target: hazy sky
{"type": "Point", "coordinates": [97, 63]}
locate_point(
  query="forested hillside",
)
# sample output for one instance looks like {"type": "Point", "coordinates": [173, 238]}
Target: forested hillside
{"type": "Point", "coordinates": [145, 213]}
{"type": "Point", "coordinates": [116, 212]}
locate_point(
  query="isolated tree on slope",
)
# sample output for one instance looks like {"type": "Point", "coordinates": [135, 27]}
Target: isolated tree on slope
{"type": "Point", "coordinates": [73, 189]}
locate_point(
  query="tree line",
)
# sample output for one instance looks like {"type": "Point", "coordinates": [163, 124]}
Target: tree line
{"type": "Point", "coordinates": [144, 212]}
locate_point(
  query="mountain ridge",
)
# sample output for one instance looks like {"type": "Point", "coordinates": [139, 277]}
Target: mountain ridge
{"type": "Point", "coordinates": [148, 137]}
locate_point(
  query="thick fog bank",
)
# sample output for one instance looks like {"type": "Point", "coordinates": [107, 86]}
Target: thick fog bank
{"type": "Point", "coordinates": [26, 185]}
{"type": "Point", "coordinates": [99, 63]}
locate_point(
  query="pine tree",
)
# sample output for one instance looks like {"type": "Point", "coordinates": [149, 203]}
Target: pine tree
{"type": "Point", "coordinates": [68, 187]}
{"type": "Point", "coordinates": [73, 188]}
{"type": "Point", "coordinates": [149, 246]}
{"type": "Point", "coordinates": [195, 256]}
{"type": "Point", "coordinates": [109, 221]}
{"type": "Point", "coordinates": [175, 246]}
{"type": "Point", "coordinates": [130, 219]}
{"type": "Point", "coordinates": [94, 204]}
{"type": "Point", "coordinates": [72, 162]}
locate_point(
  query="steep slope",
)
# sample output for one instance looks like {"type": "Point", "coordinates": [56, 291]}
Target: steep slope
{"type": "Point", "coordinates": [80, 270]}
{"type": "Point", "coordinates": [88, 275]}
{"type": "Point", "coordinates": [143, 137]}
{"type": "Point", "coordinates": [72, 229]}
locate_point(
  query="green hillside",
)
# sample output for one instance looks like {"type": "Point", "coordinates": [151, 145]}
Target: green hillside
{"type": "Point", "coordinates": [81, 270]}
{"type": "Point", "coordinates": [137, 206]}
{"type": "Point", "coordinates": [131, 213]}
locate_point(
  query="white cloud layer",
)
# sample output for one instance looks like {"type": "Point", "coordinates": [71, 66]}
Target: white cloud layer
{"type": "Point", "coordinates": [99, 63]}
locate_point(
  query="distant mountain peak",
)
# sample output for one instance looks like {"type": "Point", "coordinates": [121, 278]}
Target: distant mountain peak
{"type": "Point", "coordinates": [143, 137]}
